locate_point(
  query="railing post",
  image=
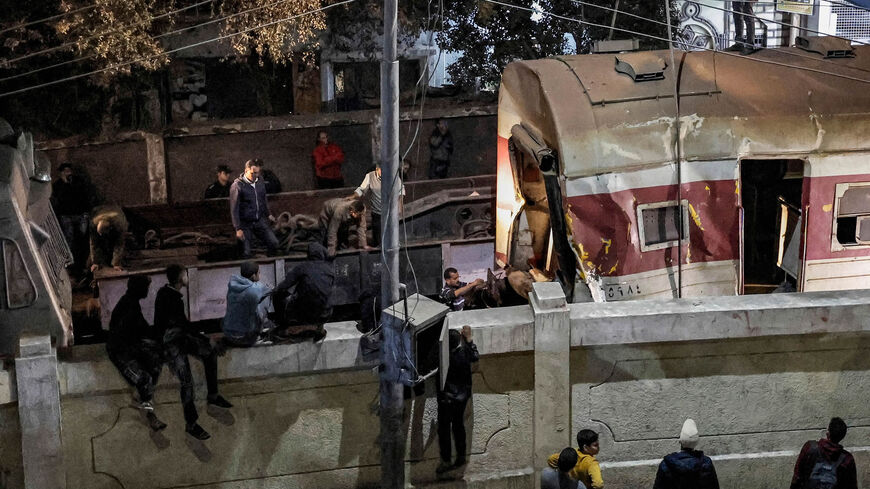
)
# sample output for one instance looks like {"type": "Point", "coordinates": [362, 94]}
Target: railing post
{"type": "Point", "coordinates": [552, 412]}
{"type": "Point", "coordinates": [39, 413]}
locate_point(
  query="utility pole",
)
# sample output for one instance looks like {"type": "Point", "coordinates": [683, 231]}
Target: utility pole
{"type": "Point", "coordinates": [391, 390]}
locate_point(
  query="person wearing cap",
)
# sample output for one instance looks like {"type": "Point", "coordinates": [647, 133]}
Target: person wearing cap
{"type": "Point", "coordinates": [370, 190]}
{"type": "Point", "coordinates": [245, 316]}
{"type": "Point", "coordinates": [586, 470]}
{"type": "Point", "coordinates": [688, 468]}
{"type": "Point", "coordinates": [561, 478]}
{"type": "Point", "coordinates": [220, 189]}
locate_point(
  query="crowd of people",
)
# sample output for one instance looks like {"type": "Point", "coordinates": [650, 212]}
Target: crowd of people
{"type": "Point", "coordinates": [822, 463]}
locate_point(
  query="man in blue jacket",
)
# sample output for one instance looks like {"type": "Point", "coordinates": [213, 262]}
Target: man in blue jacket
{"type": "Point", "coordinates": [250, 210]}
{"type": "Point", "coordinates": [246, 315]}
{"type": "Point", "coordinates": [688, 468]}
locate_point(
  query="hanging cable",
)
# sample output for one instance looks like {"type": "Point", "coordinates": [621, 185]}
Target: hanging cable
{"type": "Point", "coordinates": [701, 48]}
{"type": "Point", "coordinates": [182, 48]}
{"type": "Point", "coordinates": [158, 36]}
{"type": "Point", "coordinates": [678, 156]}
{"type": "Point", "coordinates": [102, 34]}
{"type": "Point", "coordinates": [47, 19]}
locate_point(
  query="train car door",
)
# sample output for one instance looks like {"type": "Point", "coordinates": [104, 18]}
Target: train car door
{"type": "Point", "coordinates": [772, 225]}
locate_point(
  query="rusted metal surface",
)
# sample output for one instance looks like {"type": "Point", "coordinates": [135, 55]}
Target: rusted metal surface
{"type": "Point", "coordinates": [205, 296]}
{"type": "Point", "coordinates": [616, 145]}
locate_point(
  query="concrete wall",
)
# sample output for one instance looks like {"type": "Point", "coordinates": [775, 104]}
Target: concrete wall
{"type": "Point", "coordinates": [776, 369]}
{"type": "Point", "coordinates": [124, 170]}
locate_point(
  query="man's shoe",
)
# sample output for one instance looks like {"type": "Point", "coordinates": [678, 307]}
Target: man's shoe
{"type": "Point", "coordinates": [319, 335]}
{"type": "Point", "coordinates": [144, 406]}
{"type": "Point", "coordinates": [459, 462]}
{"type": "Point", "coordinates": [197, 432]}
{"type": "Point", "coordinates": [219, 401]}
{"type": "Point", "coordinates": [443, 467]}
{"type": "Point", "coordinates": [154, 422]}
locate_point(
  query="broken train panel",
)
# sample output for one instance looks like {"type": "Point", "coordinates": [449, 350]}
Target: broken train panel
{"type": "Point", "coordinates": [35, 290]}
{"type": "Point", "coordinates": [768, 190]}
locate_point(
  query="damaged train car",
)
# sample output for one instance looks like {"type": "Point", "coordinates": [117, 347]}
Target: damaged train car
{"type": "Point", "coordinates": [756, 179]}
{"type": "Point", "coordinates": [35, 290]}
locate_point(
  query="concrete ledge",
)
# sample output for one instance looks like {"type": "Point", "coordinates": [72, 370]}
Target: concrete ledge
{"type": "Point", "coordinates": [503, 330]}
{"type": "Point", "coordinates": [87, 369]}
{"type": "Point", "coordinates": [697, 319]}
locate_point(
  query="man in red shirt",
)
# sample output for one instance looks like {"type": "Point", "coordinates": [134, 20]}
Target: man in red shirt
{"type": "Point", "coordinates": [328, 158]}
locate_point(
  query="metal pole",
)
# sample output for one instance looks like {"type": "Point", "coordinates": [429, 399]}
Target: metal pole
{"type": "Point", "coordinates": [613, 20]}
{"type": "Point", "coordinates": [391, 390]}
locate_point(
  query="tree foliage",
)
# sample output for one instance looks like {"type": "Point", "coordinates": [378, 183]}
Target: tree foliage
{"type": "Point", "coordinates": [488, 36]}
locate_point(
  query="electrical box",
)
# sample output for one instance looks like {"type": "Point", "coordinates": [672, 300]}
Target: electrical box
{"type": "Point", "coordinates": [425, 342]}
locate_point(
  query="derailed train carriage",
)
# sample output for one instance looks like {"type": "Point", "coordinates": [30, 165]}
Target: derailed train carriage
{"type": "Point", "coordinates": [35, 290]}
{"type": "Point", "coordinates": [761, 183]}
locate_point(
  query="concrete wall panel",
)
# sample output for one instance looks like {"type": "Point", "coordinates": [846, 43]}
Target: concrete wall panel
{"type": "Point", "coordinates": [119, 171]}
{"type": "Point", "coordinates": [287, 152]}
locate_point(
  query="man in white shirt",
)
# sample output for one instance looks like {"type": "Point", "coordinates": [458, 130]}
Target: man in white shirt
{"type": "Point", "coordinates": [370, 189]}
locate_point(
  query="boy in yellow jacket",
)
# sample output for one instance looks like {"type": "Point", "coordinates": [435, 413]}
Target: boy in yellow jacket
{"type": "Point", "coordinates": [587, 469]}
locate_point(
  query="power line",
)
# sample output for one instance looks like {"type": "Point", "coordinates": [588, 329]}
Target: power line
{"type": "Point", "coordinates": [788, 25]}
{"type": "Point", "coordinates": [814, 4]}
{"type": "Point", "coordinates": [146, 58]}
{"type": "Point", "coordinates": [47, 19]}
{"type": "Point", "coordinates": [790, 53]}
{"type": "Point", "coordinates": [101, 34]}
{"type": "Point", "coordinates": [724, 53]}
{"type": "Point", "coordinates": [159, 36]}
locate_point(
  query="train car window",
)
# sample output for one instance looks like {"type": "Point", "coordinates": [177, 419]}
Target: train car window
{"type": "Point", "coordinates": [659, 224]}
{"type": "Point", "coordinates": [852, 225]}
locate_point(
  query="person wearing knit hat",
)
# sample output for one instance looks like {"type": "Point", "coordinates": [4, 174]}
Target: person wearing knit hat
{"type": "Point", "coordinates": [688, 468]}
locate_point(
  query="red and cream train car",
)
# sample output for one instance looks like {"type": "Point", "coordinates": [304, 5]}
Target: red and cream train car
{"type": "Point", "coordinates": [761, 183]}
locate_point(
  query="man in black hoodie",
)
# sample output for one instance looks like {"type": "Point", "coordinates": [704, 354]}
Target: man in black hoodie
{"type": "Point", "coordinates": [303, 295]}
{"type": "Point", "coordinates": [249, 209]}
{"type": "Point", "coordinates": [825, 463]}
{"type": "Point", "coordinates": [453, 398]}
{"type": "Point", "coordinates": [133, 347]}
{"type": "Point", "coordinates": [688, 468]}
{"type": "Point", "coordinates": [180, 339]}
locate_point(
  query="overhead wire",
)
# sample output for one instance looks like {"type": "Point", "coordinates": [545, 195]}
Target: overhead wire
{"type": "Point", "coordinates": [741, 43]}
{"type": "Point", "coordinates": [158, 36]}
{"type": "Point", "coordinates": [47, 19]}
{"type": "Point", "coordinates": [702, 48]}
{"type": "Point", "coordinates": [182, 48]}
{"type": "Point", "coordinates": [102, 34]}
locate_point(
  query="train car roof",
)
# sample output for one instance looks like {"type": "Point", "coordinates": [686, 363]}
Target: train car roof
{"type": "Point", "coordinates": [775, 102]}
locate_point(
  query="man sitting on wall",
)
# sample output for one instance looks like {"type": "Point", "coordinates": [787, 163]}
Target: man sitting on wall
{"type": "Point", "coordinates": [303, 296]}
{"type": "Point", "coordinates": [134, 349]}
{"type": "Point", "coordinates": [108, 232]}
{"type": "Point", "coordinates": [180, 339]}
{"type": "Point", "coordinates": [245, 317]}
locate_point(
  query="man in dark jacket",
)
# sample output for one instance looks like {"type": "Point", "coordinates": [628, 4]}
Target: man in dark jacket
{"type": "Point", "coordinates": [133, 347]}
{"type": "Point", "coordinates": [825, 463]}
{"type": "Point", "coordinates": [220, 189]}
{"type": "Point", "coordinates": [688, 468]}
{"type": "Point", "coordinates": [303, 295]}
{"type": "Point", "coordinates": [440, 149]}
{"type": "Point", "coordinates": [181, 339]}
{"type": "Point", "coordinates": [453, 397]}
{"type": "Point", "coordinates": [250, 210]}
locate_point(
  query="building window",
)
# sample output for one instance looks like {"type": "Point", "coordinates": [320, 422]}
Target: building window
{"type": "Point", "coordinates": [659, 224]}
{"type": "Point", "coordinates": [852, 211]}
